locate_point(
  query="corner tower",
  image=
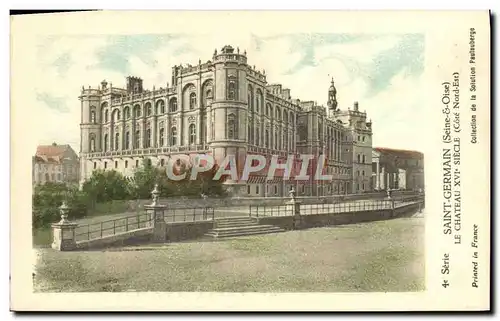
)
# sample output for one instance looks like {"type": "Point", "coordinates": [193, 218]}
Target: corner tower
{"type": "Point", "coordinates": [229, 110]}
{"type": "Point", "coordinates": [90, 128]}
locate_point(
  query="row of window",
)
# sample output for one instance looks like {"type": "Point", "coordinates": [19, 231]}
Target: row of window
{"type": "Point", "coordinates": [160, 108]}
{"type": "Point", "coordinates": [50, 177]}
{"type": "Point", "coordinates": [361, 158]}
{"type": "Point", "coordinates": [162, 163]}
{"type": "Point", "coordinates": [147, 142]}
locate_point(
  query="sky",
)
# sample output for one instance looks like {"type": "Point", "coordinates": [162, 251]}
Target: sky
{"type": "Point", "coordinates": [383, 72]}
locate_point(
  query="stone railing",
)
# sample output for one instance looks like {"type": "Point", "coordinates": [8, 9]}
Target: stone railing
{"type": "Point", "coordinates": [149, 151]}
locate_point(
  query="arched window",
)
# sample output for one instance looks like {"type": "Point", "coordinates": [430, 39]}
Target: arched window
{"type": "Point", "coordinates": [148, 109]}
{"type": "Point", "coordinates": [92, 115]}
{"type": "Point", "coordinates": [127, 140]}
{"type": "Point", "coordinates": [364, 159]}
{"type": "Point", "coordinates": [250, 134]}
{"type": "Point", "coordinates": [162, 135]}
{"type": "Point", "coordinates": [231, 126]}
{"type": "Point", "coordinates": [359, 158]}
{"type": "Point", "coordinates": [285, 116]}
{"type": "Point", "coordinates": [147, 143]}
{"type": "Point", "coordinates": [160, 107]}
{"type": "Point", "coordinates": [126, 112]}
{"type": "Point", "coordinates": [257, 138]}
{"type": "Point", "coordinates": [275, 140]}
{"type": "Point", "coordinates": [192, 101]}
{"type": "Point", "coordinates": [172, 105]}
{"type": "Point", "coordinates": [106, 116]}
{"type": "Point", "coordinates": [231, 90]}
{"type": "Point", "coordinates": [250, 98]}
{"type": "Point", "coordinates": [192, 134]}
{"type": "Point", "coordinates": [173, 136]}
{"type": "Point", "coordinates": [117, 141]}
{"type": "Point", "coordinates": [267, 138]}
{"type": "Point", "coordinates": [292, 119]}
{"type": "Point", "coordinates": [278, 114]}
{"type": "Point", "coordinates": [137, 139]}
{"type": "Point", "coordinates": [285, 140]}
{"type": "Point", "coordinates": [106, 142]}
{"type": "Point", "coordinates": [137, 111]}
{"type": "Point", "coordinates": [259, 101]}
{"type": "Point", "coordinates": [92, 143]}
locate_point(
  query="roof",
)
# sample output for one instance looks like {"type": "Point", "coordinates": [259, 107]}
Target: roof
{"type": "Point", "coordinates": [51, 153]}
{"type": "Point", "coordinates": [402, 153]}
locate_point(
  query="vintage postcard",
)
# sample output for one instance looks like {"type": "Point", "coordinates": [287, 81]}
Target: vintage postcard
{"type": "Point", "coordinates": [251, 161]}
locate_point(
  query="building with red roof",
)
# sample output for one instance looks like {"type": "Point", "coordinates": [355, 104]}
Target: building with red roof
{"type": "Point", "coordinates": [55, 163]}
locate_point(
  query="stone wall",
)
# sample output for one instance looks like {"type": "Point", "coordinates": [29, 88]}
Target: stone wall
{"type": "Point", "coordinates": [179, 202]}
{"type": "Point", "coordinates": [121, 239]}
{"type": "Point", "coordinates": [319, 220]}
{"type": "Point", "coordinates": [187, 230]}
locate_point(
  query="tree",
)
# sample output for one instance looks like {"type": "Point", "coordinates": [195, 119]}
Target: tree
{"type": "Point", "coordinates": [105, 186]}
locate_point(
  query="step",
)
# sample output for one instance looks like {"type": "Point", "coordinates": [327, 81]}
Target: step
{"type": "Point", "coordinates": [234, 219]}
{"type": "Point", "coordinates": [244, 231]}
{"type": "Point", "coordinates": [242, 228]}
{"type": "Point", "coordinates": [235, 224]}
{"type": "Point", "coordinates": [236, 234]}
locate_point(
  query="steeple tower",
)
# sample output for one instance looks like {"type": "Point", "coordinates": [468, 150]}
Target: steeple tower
{"type": "Point", "coordinates": [332, 97]}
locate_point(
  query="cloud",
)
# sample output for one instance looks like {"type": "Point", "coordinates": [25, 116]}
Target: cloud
{"type": "Point", "coordinates": [55, 103]}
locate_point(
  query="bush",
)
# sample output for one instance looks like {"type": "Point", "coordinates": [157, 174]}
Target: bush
{"type": "Point", "coordinates": [49, 197]}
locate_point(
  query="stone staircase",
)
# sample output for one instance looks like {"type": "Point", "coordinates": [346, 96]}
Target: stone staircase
{"type": "Point", "coordinates": [240, 226]}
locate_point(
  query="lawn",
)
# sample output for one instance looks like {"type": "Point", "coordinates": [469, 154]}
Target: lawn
{"type": "Point", "coordinates": [382, 256]}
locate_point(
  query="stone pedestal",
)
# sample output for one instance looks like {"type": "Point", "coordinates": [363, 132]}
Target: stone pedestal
{"type": "Point", "coordinates": [295, 207]}
{"type": "Point", "coordinates": [63, 232]}
{"type": "Point", "coordinates": [156, 214]}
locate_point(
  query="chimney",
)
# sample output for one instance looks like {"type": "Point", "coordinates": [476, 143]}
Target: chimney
{"type": "Point", "coordinates": [356, 106]}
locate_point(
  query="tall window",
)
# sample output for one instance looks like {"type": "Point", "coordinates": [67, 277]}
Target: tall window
{"type": "Point", "coordinates": [267, 139]}
{"type": "Point", "coordinates": [364, 159]}
{"type": "Point", "coordinates": [162, 134]}
{"type": "Point", "coordinates": [92, 115]}
{"type": "Point", "coordinates": [148, 109]}
{"type": "Point", "coordinates": [126, 112]}
{"type": "Point", "coordinates": [106, 115]}
{"type": "Point", "coordinates": [259, 101]}
{"type": "Point", "coordinates": [147, 143]}
{"type": "Point", "coordinates": [278, 114]}
{"type": "Point", "coordinates": [92, 143]}
{"type": "Point", "coordinates": [137, 111]}
{"type": "Point", "coordinates": [275, 140]}
{"type": "Point", "coordinates": [160, 107]}
{"type": "Point", "coordinates": [192, 134]}
{"type": "Point", "coordinates": [106, 142]}
{"type": "Point", "coordinates": [250, 134]}
{"type": "Point", "coordinates": [117, 141]}
{"type": "Point", "coordinates": [231, 91]}
{"type": "Point", "coordinates": [137, 139]}
{"type": "Point", "coordinates": [127, 140]}
{"type": "Point", "coordinates": [359, 158]}
{"type": "Point", "coordinates": [231, 126]}
{"type": "Point", "coordinates": [192, 101]}
{"type": "Point", "coordinates": [257, 138]}
{"type": "Point", "coordinates": [250, 98]}
{"type": "Point", "coordinates": [173, 136]}
{"type": "Point", "coordinates": [172, 105]}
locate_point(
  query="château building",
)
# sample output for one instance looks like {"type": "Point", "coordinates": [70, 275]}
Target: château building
{"type": "Point", "coordinates": [225, 107]}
